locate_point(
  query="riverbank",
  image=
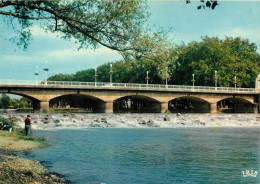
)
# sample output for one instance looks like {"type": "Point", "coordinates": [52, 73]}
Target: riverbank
{"type": "Point", "coordinates": [14, 169]}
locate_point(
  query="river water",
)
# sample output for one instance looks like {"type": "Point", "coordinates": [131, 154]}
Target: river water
{"type": "Point", "coordinates": [152, 155]}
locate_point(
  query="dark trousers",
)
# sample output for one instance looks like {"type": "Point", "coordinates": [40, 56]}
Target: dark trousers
{"type": "Point", "coordinates": [27, 130]}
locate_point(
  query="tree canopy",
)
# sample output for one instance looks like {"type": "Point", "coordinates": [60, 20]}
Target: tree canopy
{"type": "Point", "coordinates": [231, 57]}
{"type": "Point", "coordinates": [113, 24]}
{"type": "Point", "coordinates": [4, 101]}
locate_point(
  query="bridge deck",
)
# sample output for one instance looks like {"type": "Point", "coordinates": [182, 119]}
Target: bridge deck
{"type": "Point", "coordinates": [125, 86]}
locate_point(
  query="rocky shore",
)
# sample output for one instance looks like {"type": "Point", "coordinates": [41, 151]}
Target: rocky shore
{"type": "Point", "coordinates": [15, 169]}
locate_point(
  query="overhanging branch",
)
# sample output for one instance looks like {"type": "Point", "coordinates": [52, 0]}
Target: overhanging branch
{"type": "Point", "coordinates": [23, 17]}
{"type": "Point", "coordinates": [93, 29]}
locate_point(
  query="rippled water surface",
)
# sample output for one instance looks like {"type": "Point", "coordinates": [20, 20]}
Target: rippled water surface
{"type": "Point", "coordinates": [152, 155]}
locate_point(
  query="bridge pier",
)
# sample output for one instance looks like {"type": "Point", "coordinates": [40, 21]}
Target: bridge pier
{"type": "Point", "coordinates": [256, 108]}
{"type": "Point", "coordinates": [259, 101]}
{"type": "Point", "coordinates": [108, 108]}
{"type": "Point", "coordinates": [164, 107]}
{"type": "Point", "coordinates": [213, 108]}
{"type": "Point", "coordinates": [44, 106]}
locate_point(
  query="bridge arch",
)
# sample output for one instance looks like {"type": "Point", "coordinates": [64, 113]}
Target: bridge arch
{"type": "Point", "coordinates": [35, 102]}
{"type": "Point", "coordinates": [136, 103]}
{"type": "Point", "coordinates": [189, 104]}
{"type": "Point", "coordinates": [235, 105]}
{"type": "Point", "coordinates": [82, 102]}
{"type": "Point", "coordinates": [42, 94]}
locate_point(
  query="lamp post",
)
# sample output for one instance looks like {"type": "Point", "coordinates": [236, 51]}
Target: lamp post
{"type": "Point", "coordinates": [46, 71]}
{"type": "Point", "coordinates": [216, 79]}
{"type": "Point", "coordinates": [147, 77]}
{"type": "Point", "coordinates": [193, 81]}
{"type": "Point", "coordinates": [95, 77]}
{"type": "Point", "coordinates": [36, 74]}
{"type": "Point", "coordinates": [166, 76]}
{"type": "Point", "coordinates": [111, 74]}
{"type": "Point", "coordinates": [235, 82]}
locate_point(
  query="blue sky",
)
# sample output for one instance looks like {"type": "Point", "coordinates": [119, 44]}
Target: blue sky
{"type": "Point", "coordinates": [230, 18]}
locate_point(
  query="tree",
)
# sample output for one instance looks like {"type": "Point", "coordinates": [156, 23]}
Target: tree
{"type": "Point", "coordinates": [85, 75]}
{"type": "Point", "coordinates": [61, 77]}
{"type": "Point", "coordinates": [230, 57]}
{"type": "Point", "coordinates": [159, 51]}
{"type": "Point", "coordinates": [5, 101]}
{"type": "Point", "coordinates": [25, 102]}
{"type": "Point", "coordinates": [113, 24]}
{"type": "Point", "coordinates": [14, 103]}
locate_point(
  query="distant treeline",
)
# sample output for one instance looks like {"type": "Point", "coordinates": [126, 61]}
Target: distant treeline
{"type": "Point", "coordinates": [231, 57]}
{"type": "Point", "coordinates": [6, 102]}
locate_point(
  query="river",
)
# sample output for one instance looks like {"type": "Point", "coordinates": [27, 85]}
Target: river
{"type": "Point", "coordinates": [152, 155]}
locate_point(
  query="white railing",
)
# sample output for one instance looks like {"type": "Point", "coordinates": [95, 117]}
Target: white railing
{"type": "Point", "coordinates": [126, 85]}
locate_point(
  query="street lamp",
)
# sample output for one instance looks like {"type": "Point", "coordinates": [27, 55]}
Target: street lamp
{"type": "Point", "coordinates": [111, 74]}
{"type": "Point", "coordinates": [166, 76]}
{"type": "Point", "coordinates": [193, 80]}
{"type": "Point", "coordinates": [36, 74]}
{"type": "Point", "coordinates": [216, 78]}
{"type": "Point", "coordinates": [95, 77]}
{"type": "Point", "coordinates": [147, 77]}
{"type": "Point", "coordinates": [46, 71]}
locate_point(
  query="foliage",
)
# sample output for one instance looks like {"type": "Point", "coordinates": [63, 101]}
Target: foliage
{"type": "Point", "coordinates": [61, 77]}
{"type": "Point", "coordinates": [25, 103]}
{"type": "Point", "coordinates": [113, 24]}
{"type": "Point", "coordinates": [7, 120]}
{"type": "Point", "coordinates": [160, 52]}
{"type": "Point", "coordinates": [122, 72]}
{"type": "Point", "coordinates": [85, 75]}
{"type": "Point", "coordinates": [4, 101]}
{"type": "Point", "coordinates": [208, 4]}
{"type": "Point", "coordinates": [14, 102]}
{"type": "Point", "coordinates": [229, 57]}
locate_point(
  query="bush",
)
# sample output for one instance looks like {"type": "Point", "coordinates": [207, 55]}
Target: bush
{"type": "Point", "coordinates": [7, 120]}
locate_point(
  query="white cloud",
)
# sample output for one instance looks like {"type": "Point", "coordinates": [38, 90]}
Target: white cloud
{"type": "Point", "coordinates": [83, 53]}
{"type": "Point", "coordinates": [69, 48]}
{"type": "Point", "coordinates": [17, 58]}
{"type": "Point", "coordinates": [239, 32]}
{"type": "Point", "coordinates": [37, 31]}
{"type": "Point", "coordinates": [92, 57]}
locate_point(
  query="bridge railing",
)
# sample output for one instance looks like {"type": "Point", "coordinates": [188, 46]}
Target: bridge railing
{"type": "Point", "coordinates": [146, 86]}
{"type": "Point", "coordinates": [125, 85]}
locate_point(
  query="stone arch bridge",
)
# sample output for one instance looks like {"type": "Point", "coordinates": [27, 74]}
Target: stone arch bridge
{"type": "Point", "coordinates": [104, 95]}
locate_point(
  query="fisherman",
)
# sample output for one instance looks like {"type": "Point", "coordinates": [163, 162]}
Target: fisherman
{"type": "Point", "coordinates": [27, 125]}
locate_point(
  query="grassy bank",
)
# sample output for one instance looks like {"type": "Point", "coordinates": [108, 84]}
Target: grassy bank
{"type": "Point", "coordinates": [17, 170]}
{"type": "Point", "coordinates": [16, 141]}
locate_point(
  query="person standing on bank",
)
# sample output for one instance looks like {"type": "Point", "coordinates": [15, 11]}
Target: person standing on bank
{"type": "Point", "coordinates": [27, 125]}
